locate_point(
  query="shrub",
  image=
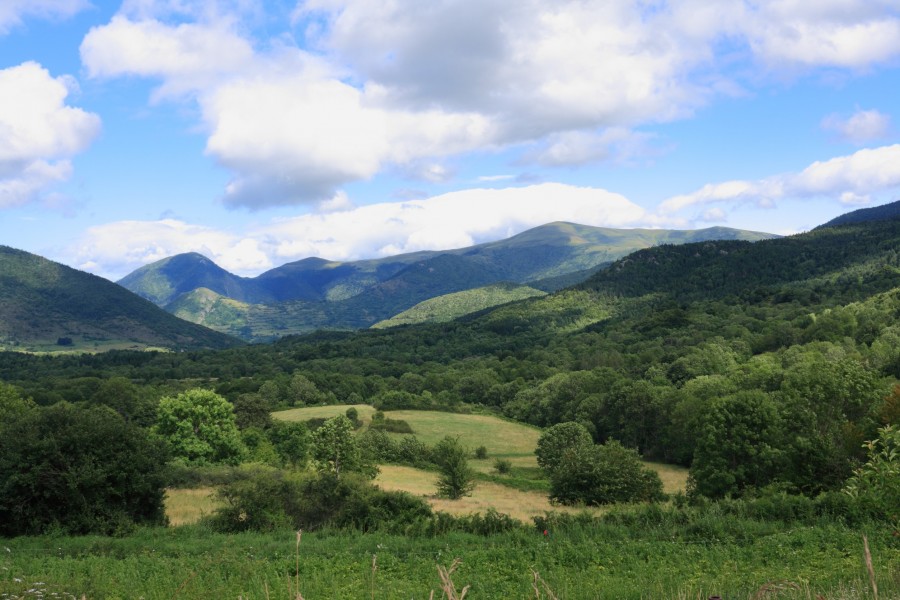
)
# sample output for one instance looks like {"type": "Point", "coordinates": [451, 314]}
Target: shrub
{"type": "Point", "coordinates": [78, 470]}
{"type": "Point", "coordinates": [391, 425]}
{"type": "Point", "coordinates": [876, 484]}
{"type": "Point", "coordinates": [481, 452]}
{"type": "Point", "coordinates": [602, 475]}
{"type": "Point", "coordinates": [270, 499]}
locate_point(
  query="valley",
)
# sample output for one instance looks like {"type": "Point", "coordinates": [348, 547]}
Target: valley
{"type": "Point", "coordinates": [736, 392]}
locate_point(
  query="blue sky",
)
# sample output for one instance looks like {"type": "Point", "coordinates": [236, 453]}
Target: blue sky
{"type": "Point", "coordinates": [261, 132]}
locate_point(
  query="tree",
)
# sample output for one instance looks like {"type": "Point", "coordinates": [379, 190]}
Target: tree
{"type": "Point", "coordinates": [12, 404]}
{"type": "Point", "coordinates": [199, 427]}
{"type": "Point", "coordinates": [292, 442]}
{"type": "Point", "coordinates": [127, 399]}
{"type": "Point", "coordinates": [78, 470]}
{"type": "Point", "coordinates": [603, 474]}
{"type": "Point", "coordinates": [738, 446]}
{"type": "Point", "coordinates": [559, 439]}
{"type": "Point", "coordinates": [456, 479]}
{"type": "Point", "coordinates": [335, 449]}
{"type": "Point", "coordinates": [252, 410]}
{"type": "Point", "coordinates": [303, 392]}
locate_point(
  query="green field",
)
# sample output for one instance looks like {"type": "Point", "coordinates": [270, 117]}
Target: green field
{"type": "Point", "coordinates": [502, 438]}
{"type": "Point", "coordinates": [734, 558]}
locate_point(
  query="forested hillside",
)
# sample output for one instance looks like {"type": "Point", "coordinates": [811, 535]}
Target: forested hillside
{"type": "Point", "coordinates": [47, 306]}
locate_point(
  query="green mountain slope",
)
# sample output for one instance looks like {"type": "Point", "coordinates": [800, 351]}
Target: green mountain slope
{"type": "Point", "coordinates": [43, 303]}
{"type": "Point", "coordinates": [163, 281]}
{"type": "Point", "coordinates": [452, 306]}
{"type": "Point", "coordinates": [875, 213]}
{"type": "Point", "coordinates": [314, 293]}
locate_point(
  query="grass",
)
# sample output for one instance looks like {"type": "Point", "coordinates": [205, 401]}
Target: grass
{"type": "Point", "coordinates": [503, 439]}
{"type": "Point", "coordinates": [674, 478]}
{"type": "Point", "coordinates": [600, 561]}
{"type": "Point", "coordinates": [187, 506]}
{"type": "Point", "coordinates": [324, 412]}
{"type": "Point", "coordinates": [518, 504]}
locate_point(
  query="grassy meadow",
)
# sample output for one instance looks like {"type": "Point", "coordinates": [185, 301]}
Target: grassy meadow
{"type": "Point", "coordinates": [732, 558]}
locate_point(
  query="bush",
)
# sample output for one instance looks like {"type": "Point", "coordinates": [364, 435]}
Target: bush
{"type": "Point", "coordinates": [391, 425]}
{"type": "Point", "coordinates": [876, 484]}
{"type": "Point", "coordinates": [503, 466]}
{"type": "Point", "coordinates": [270, 499]}
{"type": "Point", "coordinates": [76, 471]}
{"type": "Point", "coordinates": [603, 474]}
{"type": "Point", "coordinates": [481, 452]}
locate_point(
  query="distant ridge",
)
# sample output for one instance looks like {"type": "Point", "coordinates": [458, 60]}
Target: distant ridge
{"type": "Point", "coordinates": [46, 306]}
{"type": "Point", "coordinates": [315, 293]}
{"type": "Point", "coordinates": [876, 213]}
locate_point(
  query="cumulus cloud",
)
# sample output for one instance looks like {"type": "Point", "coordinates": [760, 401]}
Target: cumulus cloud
{"type": "Point", "coordinates": [39, 132]}
{"type": "Point", "coordinates": [860, 128]}
{"type": "Point", "coordinates": [437, 223]}
{"type": "Point", "coordinates": [12, 12]}
{"type": "Point", "coordinates": [851, 179]}
{"type": "Point", "coordinates": [188, 57]}
{"type": "Point", "coordinates": [351, 88]}
{"type": "Point", "coordinates": [115, 249]}
{"type": "Point", "coordinates": [852, 34]}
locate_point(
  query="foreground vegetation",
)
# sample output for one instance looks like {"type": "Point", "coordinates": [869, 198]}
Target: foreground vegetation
{"type": "Point", "coordinates": [631, 553]}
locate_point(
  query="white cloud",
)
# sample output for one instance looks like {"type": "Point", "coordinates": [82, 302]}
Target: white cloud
{"type": "Point", "coordinates": [115, 249]}
{"type": "Point", "coordinates": [188, 57]}
{"type": "Point", "coordinates": [851, 179]}
{"type": "Point", "coordinates": [582, 147]}
{"type": "Point", "coordinates": [12, 12]}
{"type": "Point", "coordinates": [38, 132]}
{"type": "Point", "coordinates": [852, 34]}
{"type": "Point", "coordinates": [406, 85]}
{"type": "Point", "coordinates": [860, 128]}
{"type": "Point", "coordinates": [714, 215]}
{"type": "Point", "coordinates": [437, 223]}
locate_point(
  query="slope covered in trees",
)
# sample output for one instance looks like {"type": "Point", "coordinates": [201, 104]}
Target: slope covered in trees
{"type": "Point", "coordinates": [45, 305]}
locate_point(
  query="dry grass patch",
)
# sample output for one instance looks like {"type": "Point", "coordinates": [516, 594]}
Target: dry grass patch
{"type": "Point", "coordinates": [515, 503]}
{"type": "Point", "coordinates": [674, 478]}
{"type": "Point", "coordinates": [186, 506]}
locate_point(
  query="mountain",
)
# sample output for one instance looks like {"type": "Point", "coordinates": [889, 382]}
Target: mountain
{"type": "Point", "coordinates": [876, 213]}
{"type": "Point", "coordinates": [165, 280]}
{"type": "Point", "coordinates": [314, 293]}
{"type": "Point", "coordinates": [47, 306]}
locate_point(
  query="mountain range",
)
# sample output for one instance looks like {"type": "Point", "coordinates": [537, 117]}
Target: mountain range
{"type": "Point", "coordinates": [315, 293]}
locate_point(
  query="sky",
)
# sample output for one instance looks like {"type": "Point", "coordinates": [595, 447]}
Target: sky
{"type": "Point", "coordinates": [259, 132]}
